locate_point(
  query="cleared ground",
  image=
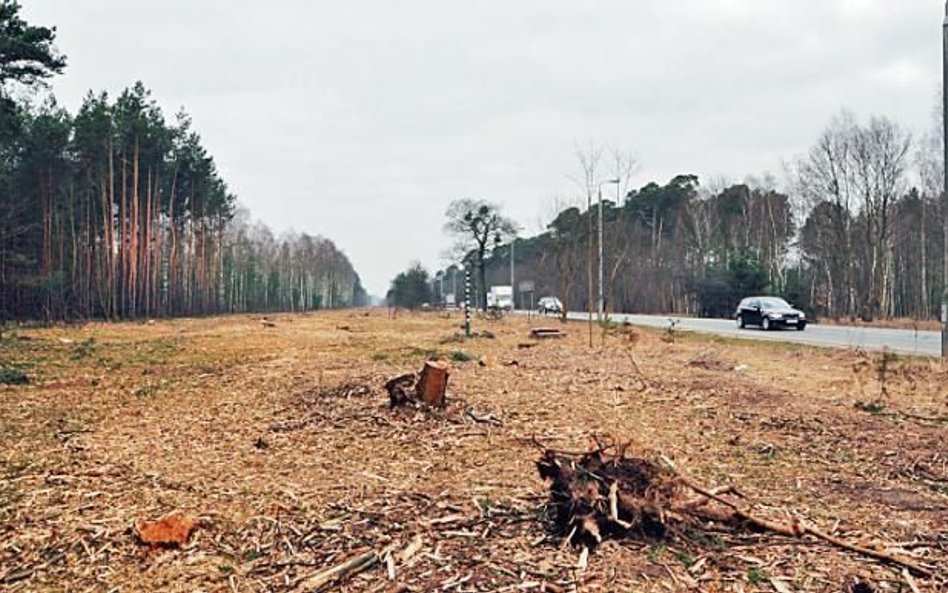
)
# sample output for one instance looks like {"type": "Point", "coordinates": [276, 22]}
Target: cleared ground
{"type": "Point", "coordinates": [281, 441]}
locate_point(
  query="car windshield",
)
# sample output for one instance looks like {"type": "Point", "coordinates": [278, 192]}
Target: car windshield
{"type": "Point", "coordinates": [774, 303]}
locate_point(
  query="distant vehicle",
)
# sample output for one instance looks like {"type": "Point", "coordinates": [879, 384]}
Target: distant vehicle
{"type": "Point", "coordinates": [549, 304]}
{"type": "Point", "coordinates": [769, 313]}
{"type": "Point", "coordinates": [449, 301]}
{"type": "Point", "coordinates": [500, 298]}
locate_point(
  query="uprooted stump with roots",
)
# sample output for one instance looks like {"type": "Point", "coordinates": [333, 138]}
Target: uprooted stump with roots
{"type": "Point", "coordinates": [607, 494]}
{"type": "Point", "coordinates": [603, 494]}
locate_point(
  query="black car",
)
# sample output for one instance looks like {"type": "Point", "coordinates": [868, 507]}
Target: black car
{"type": "Point", "coordinates": [769, 313]}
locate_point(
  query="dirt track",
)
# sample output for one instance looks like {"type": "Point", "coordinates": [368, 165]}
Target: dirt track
{"type": "Point", "coordinates": [269, 437]}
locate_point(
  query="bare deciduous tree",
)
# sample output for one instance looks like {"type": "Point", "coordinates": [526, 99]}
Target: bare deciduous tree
{"type": "Point", "coordinates": [478, 227]}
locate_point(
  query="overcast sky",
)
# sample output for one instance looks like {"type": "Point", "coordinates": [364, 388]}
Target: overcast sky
{"type": "Point", "coordinates": [361, 120]}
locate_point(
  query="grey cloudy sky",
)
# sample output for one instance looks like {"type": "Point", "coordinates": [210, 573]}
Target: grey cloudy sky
{"type": "Point", "coordinates": [361, 120]}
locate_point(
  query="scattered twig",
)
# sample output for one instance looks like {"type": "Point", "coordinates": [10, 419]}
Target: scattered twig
{"type": "Point", "coordinates": [411, 549]}
{"type": "Point", "coordinates": [348, 568]}
{"type": "Point", "coordinates": [17, 575]}
{"type": "Point", "coordinates": [484, 419]}
{"type": "Point", "coordinates": [911, 582]}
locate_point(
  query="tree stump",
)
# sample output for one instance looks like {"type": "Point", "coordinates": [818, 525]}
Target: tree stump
{"type": "Point", "coordinates": [433, 383]}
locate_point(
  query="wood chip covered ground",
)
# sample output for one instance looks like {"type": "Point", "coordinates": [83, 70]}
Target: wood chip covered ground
{"type": "Point", "coordinates": [279, 444]}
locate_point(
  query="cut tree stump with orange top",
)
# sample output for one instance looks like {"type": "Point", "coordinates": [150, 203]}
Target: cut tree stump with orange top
{"type": "Point", "coordinates": [433, 383]}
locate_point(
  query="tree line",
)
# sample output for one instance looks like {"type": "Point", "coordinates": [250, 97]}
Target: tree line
{"type": "Point", "coordinates": [411, 288]}
{"type": "Point", "coordinates": [116, 212]}
{"type": "Point", "coordinates": [857, 232]}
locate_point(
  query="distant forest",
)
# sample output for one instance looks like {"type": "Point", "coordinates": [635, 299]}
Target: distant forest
{"type": "Point", "coordinates": [857, 234]}
{"type": "Point", "coordinates": [115, 212]}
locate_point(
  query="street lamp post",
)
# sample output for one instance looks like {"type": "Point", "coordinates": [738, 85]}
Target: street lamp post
{"type": "Point", "coordinates": [441, 288]}
{"type": "Point", "coordinates": [513, 287]}
{"type": "Point", "coordinates": [944, 191]}
{"type": "Point", "coordinates": [601, 299]}
{"type": "Point", "coordinates": [589, 268]}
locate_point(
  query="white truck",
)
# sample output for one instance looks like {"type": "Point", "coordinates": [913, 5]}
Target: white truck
{"type": "Point", "coordinates": [500, 298]}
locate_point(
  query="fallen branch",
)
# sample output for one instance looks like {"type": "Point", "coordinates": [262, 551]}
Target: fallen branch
{"type": "Point", "coordinates": [799, 529]}
{"type": "Point", "coordinates": [701, 501]}
{"type": "Point", "coordinates": [935, 419]}
{"type": "Point", "coordinates": [348, 568]}
{"type": "Point", "coordinates": [17, 575]}
{"type": "Point", "coordinates": [485, 419]}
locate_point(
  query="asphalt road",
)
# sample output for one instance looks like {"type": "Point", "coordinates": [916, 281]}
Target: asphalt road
{"type": "Point", "coordinates": [921, 343]}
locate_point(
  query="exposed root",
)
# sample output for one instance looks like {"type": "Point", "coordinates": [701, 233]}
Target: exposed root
{"type": "Point", "coordinates": [606, 494]}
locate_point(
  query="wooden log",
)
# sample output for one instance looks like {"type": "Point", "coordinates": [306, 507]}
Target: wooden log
{"type": "Point", "coordinates": [433, 383]}
{"type": "Point", "coordinates": [541, 333]}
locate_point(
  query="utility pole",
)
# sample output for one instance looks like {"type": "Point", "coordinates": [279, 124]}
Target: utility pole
{"type": "Point", "coordinates": [600, 303]}
{"type": "Point", "coordinates": [589, 264]}
{"type": "Point", "coordinates": [944, 191]}
{"type": "Point", "coordinates": [602, 300]}
{"type": "Point", "coordinates": [513, 287]}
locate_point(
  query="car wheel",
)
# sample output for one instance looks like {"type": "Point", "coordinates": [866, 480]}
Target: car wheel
{"type": "Point", "coordinates": [801, 327]}
{"type": "Point", "coordinates": [765, 324]}
{"type": "Point", "coordinates": [740, 322]}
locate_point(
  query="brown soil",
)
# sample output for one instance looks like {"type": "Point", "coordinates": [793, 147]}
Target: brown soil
{"type": "Point", "coordinates": [281, 442]}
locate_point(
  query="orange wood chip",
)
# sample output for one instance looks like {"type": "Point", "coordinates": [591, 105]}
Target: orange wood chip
{"type": "Point", "coordinates": [172, 529]}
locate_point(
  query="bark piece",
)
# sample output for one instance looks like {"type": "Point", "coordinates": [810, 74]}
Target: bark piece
{"type": "Point", "coordinates": [173, 529]}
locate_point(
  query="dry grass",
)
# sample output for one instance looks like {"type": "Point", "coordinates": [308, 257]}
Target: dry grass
{"type": "Point", "coordinates": [268, 435]}
{"type": "Point", "coordinates": [893, 323]}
